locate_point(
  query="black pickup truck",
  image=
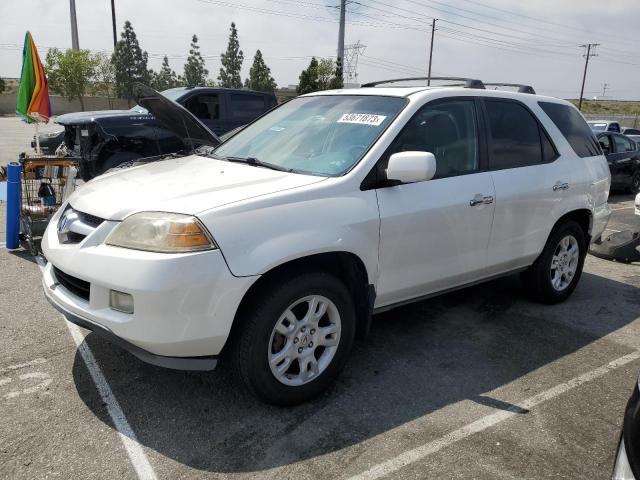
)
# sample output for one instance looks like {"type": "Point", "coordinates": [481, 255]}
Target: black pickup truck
{"type": "Point", "coordinates": [105, 139]}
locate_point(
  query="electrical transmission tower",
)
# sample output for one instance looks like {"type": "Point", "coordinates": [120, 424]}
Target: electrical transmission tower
{"type": "Point", "coordinates": [351, 54]}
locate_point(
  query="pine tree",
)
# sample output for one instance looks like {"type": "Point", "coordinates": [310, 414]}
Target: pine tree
{"type": "Point", "coordinates": [231, 62]}
{"type": "Point", "coordinates": [338, 80]}
{"type": "Point", "coordinates": [165, 78]}
{"type": "Point", "coordinates": [194, 72]}
{"type": "Point", "coordinates": [322, 75]}
{"type": "Point", "coordinates": [130, 63]}
{"type": "Point", "coordinates": [308, 81]}
{"type": "Point", "coordinates": [260, 78]}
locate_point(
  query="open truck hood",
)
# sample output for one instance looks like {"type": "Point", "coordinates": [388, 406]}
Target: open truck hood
{"type": "Point", "coordinates": [175, 117]}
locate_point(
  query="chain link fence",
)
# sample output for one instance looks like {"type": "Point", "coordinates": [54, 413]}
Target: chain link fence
{"type": "Point", "coordinates": [623, 120]}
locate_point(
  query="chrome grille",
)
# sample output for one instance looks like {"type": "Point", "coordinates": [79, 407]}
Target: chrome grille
{"type": "Point", "coordinates": [74, 226]}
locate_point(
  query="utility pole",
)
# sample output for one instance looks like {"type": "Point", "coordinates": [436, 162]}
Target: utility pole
{"type": "Point", "coordinates": [113, 22]}
{"type": "Point", "coordinates": [433, 31]}
{"type": "Point", "coordinates": [605, 87]}
{"type": "Point", "coordinates": [340, 55]}
{"type": "Point", "coordinates": [588, 55]}
{"type": "Point", "coordinates": [74, 26]}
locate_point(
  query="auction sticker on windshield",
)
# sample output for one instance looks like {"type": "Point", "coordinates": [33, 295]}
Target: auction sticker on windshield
{"type": "Point", "coordinates": [362, 118]}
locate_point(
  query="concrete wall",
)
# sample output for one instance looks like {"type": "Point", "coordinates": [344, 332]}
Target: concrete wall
{"type": "Point", "coordinates": [60, 105]}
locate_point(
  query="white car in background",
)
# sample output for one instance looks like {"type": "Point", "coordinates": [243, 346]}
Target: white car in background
{"type": "Point", "coordinates": [637, 204]}
{"type": "Point", "coordinates": [278, 246]}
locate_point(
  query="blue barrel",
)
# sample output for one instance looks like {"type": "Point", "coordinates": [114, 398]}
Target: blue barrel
{"type": "Point", "coordinates": [13, 205]}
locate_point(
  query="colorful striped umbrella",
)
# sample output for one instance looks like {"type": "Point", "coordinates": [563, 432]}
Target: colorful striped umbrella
{"type": "Point", "coordinates": [33, 94]}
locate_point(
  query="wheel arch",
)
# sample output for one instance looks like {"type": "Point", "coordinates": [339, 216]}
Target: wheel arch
{"type": "Point", "coordinates": [346, 266]}
{"type": "Point", "coordinates": [582, 216]}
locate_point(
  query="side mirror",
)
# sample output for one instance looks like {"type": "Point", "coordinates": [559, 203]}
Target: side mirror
{"type": "Point", "coordinates": [411, 167]}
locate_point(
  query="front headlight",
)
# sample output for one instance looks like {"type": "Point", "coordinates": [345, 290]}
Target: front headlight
{"type": "Point", "coordinates": [161, 232]}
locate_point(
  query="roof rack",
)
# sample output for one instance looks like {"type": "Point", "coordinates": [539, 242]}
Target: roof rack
{"type": "Point", "coordinates": [465, 82]}
{"type": "Point", "coordinates": [521, 88]}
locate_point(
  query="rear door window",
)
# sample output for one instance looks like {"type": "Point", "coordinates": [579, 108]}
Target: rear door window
{"type": "Point", "coordinates": [515, 138]}
{"type": "Point", "coordinates": [574, 128]}
{"type": "Point", "coordinates": [246, 107]}
{"type": "Point", "coordinates": [623, 144]}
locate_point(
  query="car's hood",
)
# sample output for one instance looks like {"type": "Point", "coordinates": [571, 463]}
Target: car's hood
{"type": "Point", "coordinates": [82, 118]}
{"type": "Point", "coordinates": [175, 117]}
{"type": "Point", "coordinates": [187, 185]}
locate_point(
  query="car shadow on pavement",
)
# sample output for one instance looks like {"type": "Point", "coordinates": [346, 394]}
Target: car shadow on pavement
{"type": "Point", "coordinates": [417, 360]}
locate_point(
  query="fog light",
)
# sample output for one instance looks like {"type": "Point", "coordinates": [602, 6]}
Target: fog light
{"type": "Point", "coordinates": [122, 302]}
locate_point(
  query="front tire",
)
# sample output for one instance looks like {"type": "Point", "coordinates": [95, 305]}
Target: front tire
{"type": "Point", "coordinates": [555, 274]}
{"type": "Point", "coordinates": [295, 338]}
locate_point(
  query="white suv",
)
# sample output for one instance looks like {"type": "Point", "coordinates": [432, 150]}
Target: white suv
{"type": "Point", "coordinates": [277, 246]}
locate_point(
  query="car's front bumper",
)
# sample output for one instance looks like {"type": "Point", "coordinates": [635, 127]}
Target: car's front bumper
{"type": "Point", "coordinates": [177, 363]}
{"type": "Point", "coordinates": [184, 304]}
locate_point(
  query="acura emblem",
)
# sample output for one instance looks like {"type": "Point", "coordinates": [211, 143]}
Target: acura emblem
{"type": "Point", "coordinates": [65, 222]}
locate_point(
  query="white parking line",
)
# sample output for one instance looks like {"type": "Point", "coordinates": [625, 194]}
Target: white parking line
{"type": "Point", "coordinates": [622, 208]}
{"type": "Point", "coordinates": [18, 366]}
{"type": "Point", "coordinates": [134, 450]}
{"type": "Point", "coordinates": [423, 451]}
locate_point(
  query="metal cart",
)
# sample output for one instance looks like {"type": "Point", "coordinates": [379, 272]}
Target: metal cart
{"type": "Point", "coordinates": [45, 184]}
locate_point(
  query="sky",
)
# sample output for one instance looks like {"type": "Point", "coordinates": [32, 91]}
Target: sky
{"type": "Point", "coordinates": [535, 42]}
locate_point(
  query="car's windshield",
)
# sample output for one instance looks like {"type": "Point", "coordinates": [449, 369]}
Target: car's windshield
{"type": "Point", "coordinates": [171, 94]}
{"type": "Point", "coordinates": [598, 127]}
{"type": "Point", "coordinates": [323, 135]}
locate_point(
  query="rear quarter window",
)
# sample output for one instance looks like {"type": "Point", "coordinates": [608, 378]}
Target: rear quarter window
{"type": "Point", "coordinates": [246, 107]}
{"type": "Point", "coordinates": [573, 127]}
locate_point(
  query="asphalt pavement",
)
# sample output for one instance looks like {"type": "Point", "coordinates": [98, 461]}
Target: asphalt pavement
{"type": "Point", "coordinates": [480, 383]}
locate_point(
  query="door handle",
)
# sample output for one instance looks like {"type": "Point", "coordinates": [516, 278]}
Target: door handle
{"type": "Point", "coordinates": [560, 186]}
{"type": "Point", "coordinates": [479, 199]}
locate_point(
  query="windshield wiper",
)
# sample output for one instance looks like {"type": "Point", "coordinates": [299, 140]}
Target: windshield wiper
{"type": "Point", "coordinates": [258, 163]}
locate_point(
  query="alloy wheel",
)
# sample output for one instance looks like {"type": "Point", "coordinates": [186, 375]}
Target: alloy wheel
{"type": "Point", "coordinates": [304, 340]}
{"type": "Point", "coordinates": [564, 262]}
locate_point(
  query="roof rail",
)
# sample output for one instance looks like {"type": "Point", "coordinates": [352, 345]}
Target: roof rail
{"type": "Point", "coordinates": [465, 82]}
{"type": "Point", "coordinates": [521, 88]}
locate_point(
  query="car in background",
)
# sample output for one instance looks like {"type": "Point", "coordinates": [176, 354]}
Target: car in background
{"type": "Point", "coordinates": [637, 204]}
{"type": "Point", "coordinates": [49, 141]}
{"type": "Point", "coordinates": [623, 157]}
{"type": "Point", "coordinates": [105, 139]}
{"type": "Point", "coordinates": [604, 126]}
{"type": "Point", "coordinates": [632, 133]}
{"type": "Point", "coordinates": [627, 464]}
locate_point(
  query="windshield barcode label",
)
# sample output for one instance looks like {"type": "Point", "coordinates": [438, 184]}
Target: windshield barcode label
{"type": "Point", "coordinates": [362, 119]}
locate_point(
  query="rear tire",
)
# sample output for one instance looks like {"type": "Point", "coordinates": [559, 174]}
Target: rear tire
{"type": "Point", "coordinates": [274, 351]}
{"type": "Point", "coordinates": [635, 183]}
{"type": "Point", "coordinates": [555, 274]}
